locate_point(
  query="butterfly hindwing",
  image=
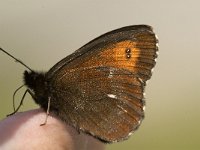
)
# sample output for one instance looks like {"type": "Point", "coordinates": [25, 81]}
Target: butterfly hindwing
{"type": "Point", "coordinates": [89, 95]}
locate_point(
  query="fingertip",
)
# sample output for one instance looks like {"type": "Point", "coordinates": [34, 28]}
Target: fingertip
{"type": "Point", "coordinates": [22, 128]}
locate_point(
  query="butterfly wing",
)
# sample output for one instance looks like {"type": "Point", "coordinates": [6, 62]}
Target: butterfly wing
{"type": "Point", "coordinates": [102, 101]}
{"type": "Point", "coordinates": [133, 48]}
{"type": "Point", "coordinates": [99, 88]}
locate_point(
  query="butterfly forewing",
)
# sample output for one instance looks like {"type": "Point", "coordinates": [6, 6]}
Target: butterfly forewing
{"type": "Point", "coordinates": [133, 48]}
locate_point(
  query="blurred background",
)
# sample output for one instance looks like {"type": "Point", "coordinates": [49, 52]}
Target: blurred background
{"type": "Point", "coordinates": [42, 32]}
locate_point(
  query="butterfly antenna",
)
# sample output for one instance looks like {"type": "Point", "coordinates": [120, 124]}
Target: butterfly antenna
{"type": "Point", "coordinates": [17, 60]}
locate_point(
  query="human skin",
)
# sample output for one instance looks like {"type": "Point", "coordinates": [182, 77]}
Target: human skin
{"type": "Point", "coordinates": [22, 131]}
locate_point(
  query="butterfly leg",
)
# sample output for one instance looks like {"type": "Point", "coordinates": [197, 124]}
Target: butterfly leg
{"type": "Point", "coordinates": [21, 102]}
{"type": "Point", "coordinates": [47, 114]}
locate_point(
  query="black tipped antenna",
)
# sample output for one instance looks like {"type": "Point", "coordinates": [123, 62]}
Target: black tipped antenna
{"type": "Point", "coordinates": [17, 60]}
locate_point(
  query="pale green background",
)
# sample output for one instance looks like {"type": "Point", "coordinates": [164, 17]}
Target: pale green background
{"type": "Point", "coordinates": [41, 32]}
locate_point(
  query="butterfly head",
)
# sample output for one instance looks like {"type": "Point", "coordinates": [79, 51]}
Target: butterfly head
{"type": "Point", "coordinates": [36, 82]}
{"type": "Point", "coordinates": [33, 79]}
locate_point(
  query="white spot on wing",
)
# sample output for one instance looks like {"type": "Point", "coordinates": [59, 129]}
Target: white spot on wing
{"type": "Point", "coordinates": [124, 110]}
{"type": "Point", "coordinates": [144, 108]}
{"type": "Point", "coordinates": [141, 80]}
{"type": "Point", "coordinates": [112, 96]}
{"type": "Point", "coordinates": [157, 47]}
{"type": "Point", "coordinates": [130, 134]}
{"type": "Point", "coordinates": [111, 73]}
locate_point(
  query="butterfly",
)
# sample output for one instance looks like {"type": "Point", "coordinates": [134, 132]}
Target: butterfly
{"type": "Point", "coordinates": [99, 89]}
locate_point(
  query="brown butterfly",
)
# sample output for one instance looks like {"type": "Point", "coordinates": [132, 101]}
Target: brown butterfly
{"type": "Point", "coordinates": [99, 88]}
